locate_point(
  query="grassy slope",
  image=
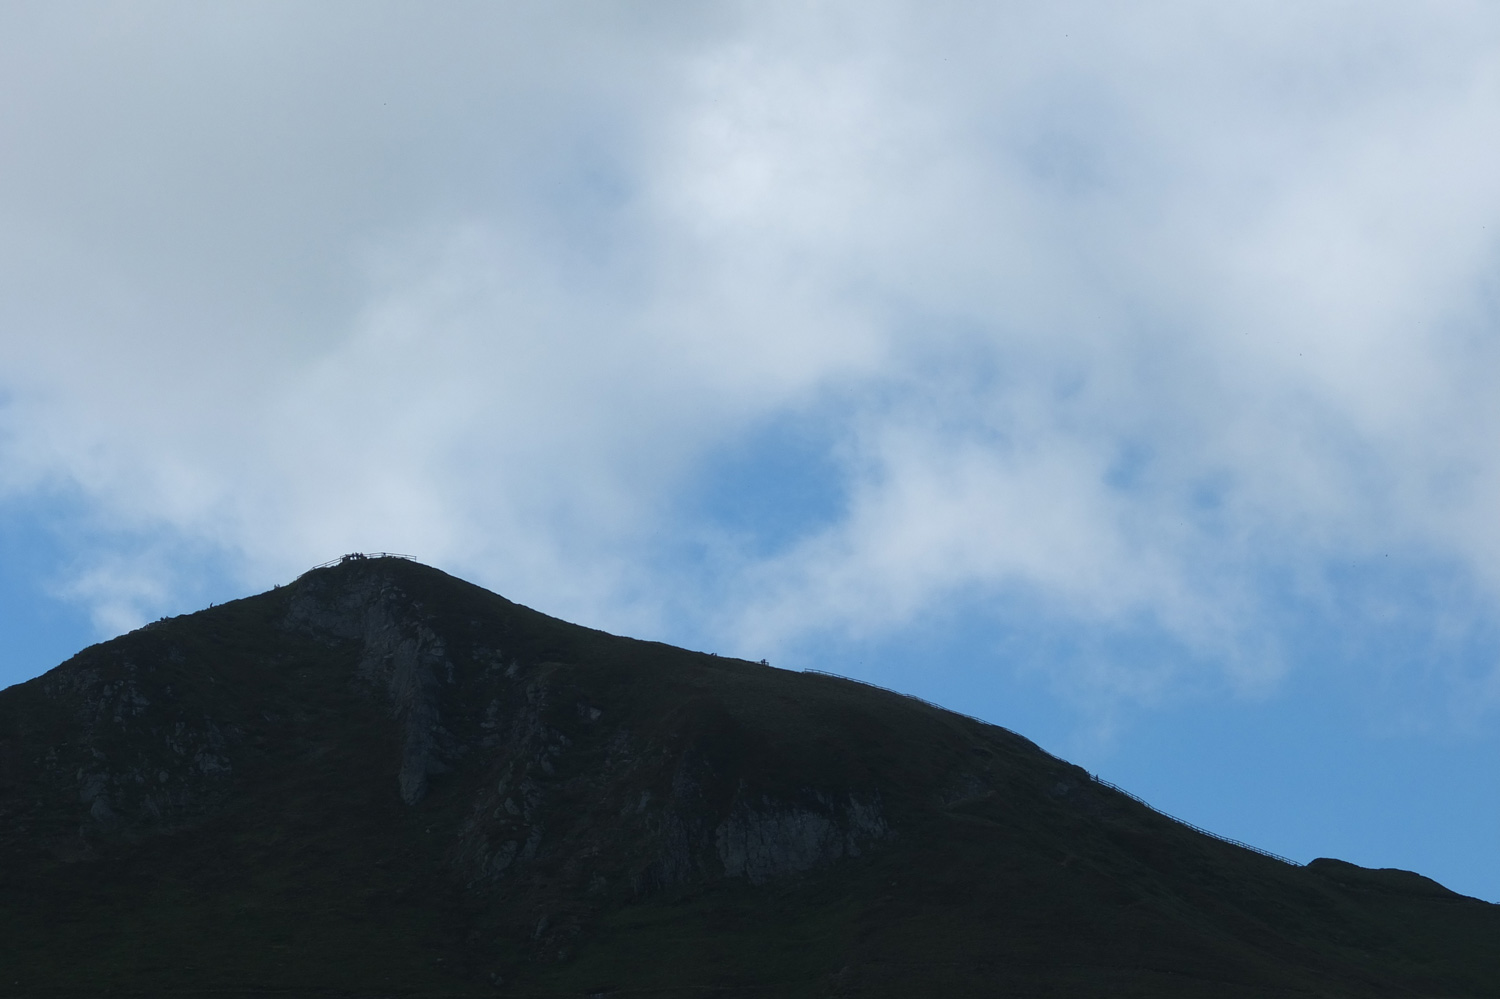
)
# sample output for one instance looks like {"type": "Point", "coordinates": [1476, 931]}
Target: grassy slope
{"type": "Point", "coordinates": [1009, 874]}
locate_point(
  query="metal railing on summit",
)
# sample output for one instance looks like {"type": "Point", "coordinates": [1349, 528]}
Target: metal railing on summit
{"type": "Point", "coordinates": [357, 557]}
{"type": "Point", "coordinates": [1096, 779]}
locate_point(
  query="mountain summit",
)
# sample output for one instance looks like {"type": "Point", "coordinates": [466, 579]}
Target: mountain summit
{"type": "Point", "coordinates": [380, 780]}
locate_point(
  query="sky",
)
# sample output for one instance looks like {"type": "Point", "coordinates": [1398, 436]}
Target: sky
{"type": "Point", "coordinates": [1125, 375]}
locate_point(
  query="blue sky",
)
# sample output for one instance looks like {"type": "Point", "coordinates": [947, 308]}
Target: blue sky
{"type": "Point", "coordinates": [1127, 376]}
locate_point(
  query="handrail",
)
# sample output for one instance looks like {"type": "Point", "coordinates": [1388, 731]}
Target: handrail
{"type": "Point", "coordinates": [1097, 780]}
{"type": "Point", "coordinates": [1196, 828]}
{"type": "Point", "coordinates": [355, 557]}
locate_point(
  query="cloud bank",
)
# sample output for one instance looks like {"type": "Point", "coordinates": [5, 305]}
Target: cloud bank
{"type": "Point", "coordinates": [1146, 317]}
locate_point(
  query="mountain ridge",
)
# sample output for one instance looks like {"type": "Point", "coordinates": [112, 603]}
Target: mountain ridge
{"type": "Point", "coordinates": [382, 780]}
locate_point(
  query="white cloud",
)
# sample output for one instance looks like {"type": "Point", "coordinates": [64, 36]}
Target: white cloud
{"type": "Point", "coordinates": [1114, 306]}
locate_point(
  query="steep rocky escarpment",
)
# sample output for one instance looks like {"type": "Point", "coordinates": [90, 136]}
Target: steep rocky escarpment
{"type": "Point", "coordinates": [764, 839]}
{"type": "Point", "coordinates": [117, 745]}
{"type": "Point", "coordinates": [544, 771]}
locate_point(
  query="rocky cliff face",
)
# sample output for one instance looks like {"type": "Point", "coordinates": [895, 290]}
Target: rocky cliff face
{"type": "Point", "coordinates": [400, 657]}
{"type": "Point", "coordinates": [137, 755]}
{"type": "Point", "coordinates": [539, 771]}
{"type": "Point", "coordinates": [765, 839]}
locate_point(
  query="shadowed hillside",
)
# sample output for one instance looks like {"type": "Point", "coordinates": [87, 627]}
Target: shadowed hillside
{"type": "Point", "coordinates": [383, 781]}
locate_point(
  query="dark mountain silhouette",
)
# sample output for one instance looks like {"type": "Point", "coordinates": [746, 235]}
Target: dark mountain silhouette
{"type": "Point", "coordinates": [383, 781]}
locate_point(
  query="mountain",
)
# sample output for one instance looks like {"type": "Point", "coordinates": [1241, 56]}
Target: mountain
{"type": "Point", "coordinates": [380, 780]}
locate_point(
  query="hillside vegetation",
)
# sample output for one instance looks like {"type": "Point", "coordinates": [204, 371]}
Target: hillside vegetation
{"type": "Point", "coordinates": [383, 781]}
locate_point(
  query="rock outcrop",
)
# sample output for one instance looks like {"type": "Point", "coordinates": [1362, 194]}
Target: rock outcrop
{"type": "Point", "coordinates": [767, 839]}
{"type": "Point", "coordinates": [706, 826]}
